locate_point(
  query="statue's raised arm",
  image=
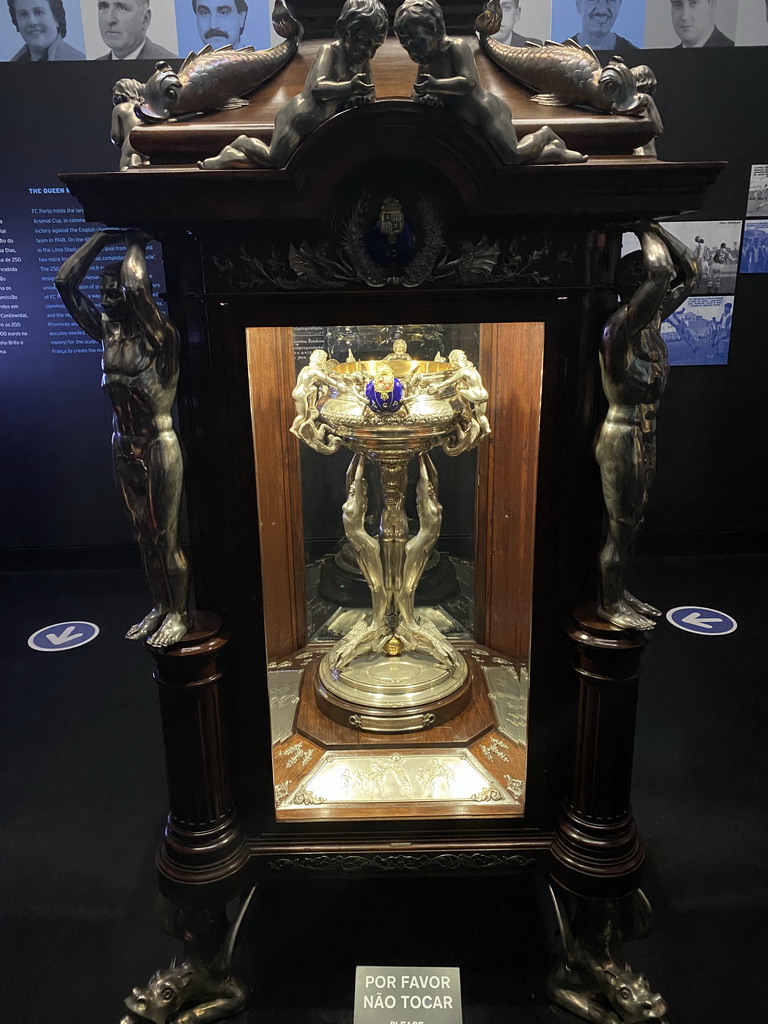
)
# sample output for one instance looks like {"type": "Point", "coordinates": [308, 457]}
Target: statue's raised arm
{"type": "Point", "coordinates": [654, 272]}
{"type": "Point", "coordinates": [71, 276]}
{"type": "Point", "coordinates": [687, 271]}
{"type": "Point", "coordinates": [158, 332]}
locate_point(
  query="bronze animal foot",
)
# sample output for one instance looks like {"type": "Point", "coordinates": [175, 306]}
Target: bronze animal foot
{"type": "Point", "coordinates": [593, 980]}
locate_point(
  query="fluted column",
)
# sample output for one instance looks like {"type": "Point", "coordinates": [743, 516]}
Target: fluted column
{"type": "Point", "coordinates": [596, 850]}
{"type": "Point", "coordinates": [202, 844]}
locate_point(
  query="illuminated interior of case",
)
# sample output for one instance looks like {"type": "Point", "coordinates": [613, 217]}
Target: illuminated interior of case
{"type": "Point", "coordinates": [476, 588]}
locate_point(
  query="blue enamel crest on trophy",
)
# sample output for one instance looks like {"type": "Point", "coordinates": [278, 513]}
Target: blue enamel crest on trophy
{"type": "Point", "coordinates": [384, 391]}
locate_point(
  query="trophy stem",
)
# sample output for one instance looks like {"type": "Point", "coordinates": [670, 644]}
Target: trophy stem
{"type": "Point", "coordinates": [393, 530]}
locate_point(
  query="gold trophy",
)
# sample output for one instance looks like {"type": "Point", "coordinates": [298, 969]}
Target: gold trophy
{"type": "Point", "coordinates": [392, 672]}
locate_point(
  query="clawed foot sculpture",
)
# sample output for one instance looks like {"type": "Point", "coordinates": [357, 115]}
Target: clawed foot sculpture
{"type": "Point", "coordinates": [203, 989]}
{"type": "Point", "coordinates": [187, 994]}
{"type": "Point", "coordinates": [606, 995]}
{"type": "Point", "coordinates": [594, 980]}
{"type": "Point", "coordinates": [160, 628]}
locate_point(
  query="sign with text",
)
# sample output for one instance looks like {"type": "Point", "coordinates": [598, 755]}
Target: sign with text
{"type": "Point", "coordinates": [407, 995]}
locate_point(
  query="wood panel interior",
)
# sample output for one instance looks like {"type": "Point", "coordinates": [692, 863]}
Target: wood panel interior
{"type": "Point", "coordinates": [271, 378]}
{"type": "Point", "coordinates": [511, 363]}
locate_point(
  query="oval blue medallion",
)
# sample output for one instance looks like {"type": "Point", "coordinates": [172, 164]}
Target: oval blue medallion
{"type": "Point", "coordinates": [384, 398]}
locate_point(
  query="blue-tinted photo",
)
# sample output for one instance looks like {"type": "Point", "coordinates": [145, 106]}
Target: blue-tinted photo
{"type": "Point", "coordinates": [219, 23]}
{"type": "Point", "coordinates": [615, 25]}
{"type": "Point", "coordinates": [35, 31]}
{"type": "Point", "coordinates": [699, 333]}
{"type": "Point", "coordinates": [754, 248]}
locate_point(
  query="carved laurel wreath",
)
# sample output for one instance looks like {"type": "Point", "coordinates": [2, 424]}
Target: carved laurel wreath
{"type": "Point", "coordinates": [328, 266]}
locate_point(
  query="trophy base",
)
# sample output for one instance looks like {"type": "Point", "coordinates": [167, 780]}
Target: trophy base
{"type": "Point", "coordinates": [408, 693]}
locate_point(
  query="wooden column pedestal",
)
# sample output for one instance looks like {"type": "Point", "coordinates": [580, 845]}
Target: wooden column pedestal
{"type": "Point", "coordinates": [203, 851]}
{"type": "Point", "coordinates": [596, 851]}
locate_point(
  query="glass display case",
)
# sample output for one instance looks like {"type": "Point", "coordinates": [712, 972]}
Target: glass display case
{"type": "Point", "coordinates": [471, 761]}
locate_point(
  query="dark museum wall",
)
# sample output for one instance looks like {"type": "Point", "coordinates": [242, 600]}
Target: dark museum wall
{"type": "Point", "coordinates": [58, 494]}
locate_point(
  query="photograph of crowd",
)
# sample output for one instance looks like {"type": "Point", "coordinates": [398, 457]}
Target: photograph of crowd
{"type": "Point", "coordinates": [757, 199]}
{"type": "Point", "coordinates": [754, 250]}
{"type": "Point", "coordinates": [715, 244]}
{"type": "Point", "coordinates": [699, 332]}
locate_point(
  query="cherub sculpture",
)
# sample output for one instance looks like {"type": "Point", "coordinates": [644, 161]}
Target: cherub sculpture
{"type": "Point", "coordinates": [634, 368]}
{"type": "Point", "coordinates": [126, 94]}
{"type": "Point", "coordinates": [340, 77]}
{"type": "Point", "coordinates": [311, 379]}
{"type": "Point", "coordinates": [399, 350]}
{"type": "Point", "coordinates": [469, 387]}
{"type": "Point", "coordinates": [448, 78]}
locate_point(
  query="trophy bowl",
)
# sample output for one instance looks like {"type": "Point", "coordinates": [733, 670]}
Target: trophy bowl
{"type": "Point", "coordinates": [393, 671]}
{"type": "Point", "coordinates": [412, 427]}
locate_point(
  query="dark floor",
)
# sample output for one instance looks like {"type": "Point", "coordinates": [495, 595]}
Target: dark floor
{"type": "Point", "coordinates": [81, 777]}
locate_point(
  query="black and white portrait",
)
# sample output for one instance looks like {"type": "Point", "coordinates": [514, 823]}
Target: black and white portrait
{"type": "Point", "coordinates": [691, 24]}
{"type": "Point", "coordinates": [219, 23]}
{"type": "Point", "coordinates": [615, 25]}
{"type": "Point", "coordinates": [524, 21]}
{"type": "Point", "coordinates": [129, 29]}
{"type": "Point", "coordinates": [38, 31]}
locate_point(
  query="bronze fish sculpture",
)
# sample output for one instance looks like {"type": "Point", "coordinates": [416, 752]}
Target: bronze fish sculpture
{"type": "Point", "coordinates": [569, 75]}
{"type": "Point", "coordinates": [212, 79]}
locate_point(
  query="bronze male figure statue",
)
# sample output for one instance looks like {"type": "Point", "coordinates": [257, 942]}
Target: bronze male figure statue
{"type": "Point", "coordinates": [141, 370]}
{"type": "Point", "coordinates": [634, 368]}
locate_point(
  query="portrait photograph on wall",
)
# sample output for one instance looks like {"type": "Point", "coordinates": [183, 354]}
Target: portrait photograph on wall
{"type": "Point", "coordinates": [752, 23]}
{"type": "Point", "coordinates": [41, 30]}
{"type": "Point", "coordinates": [525, 20]}
{"type": "Point", "coordinates": [129, 29]}
{"type": "Point", "coordinates": [615, 25]}
{"type": "Point", "coordinates": [219, 23]}
{"type": "Point", "coordinates": [754, 251]}
{"type": "Point", "coordinates": [757, 198]}
{"type": "Point", "coordinates": [699, 332]}
{"type": "Point", "coordinates": [715, 244]}
{"type": "Point", "coordinates": [690, 24]}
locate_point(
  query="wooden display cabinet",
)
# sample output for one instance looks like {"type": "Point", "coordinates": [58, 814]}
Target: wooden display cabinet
{"type": "Point", "coordinates": [254, 261]}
